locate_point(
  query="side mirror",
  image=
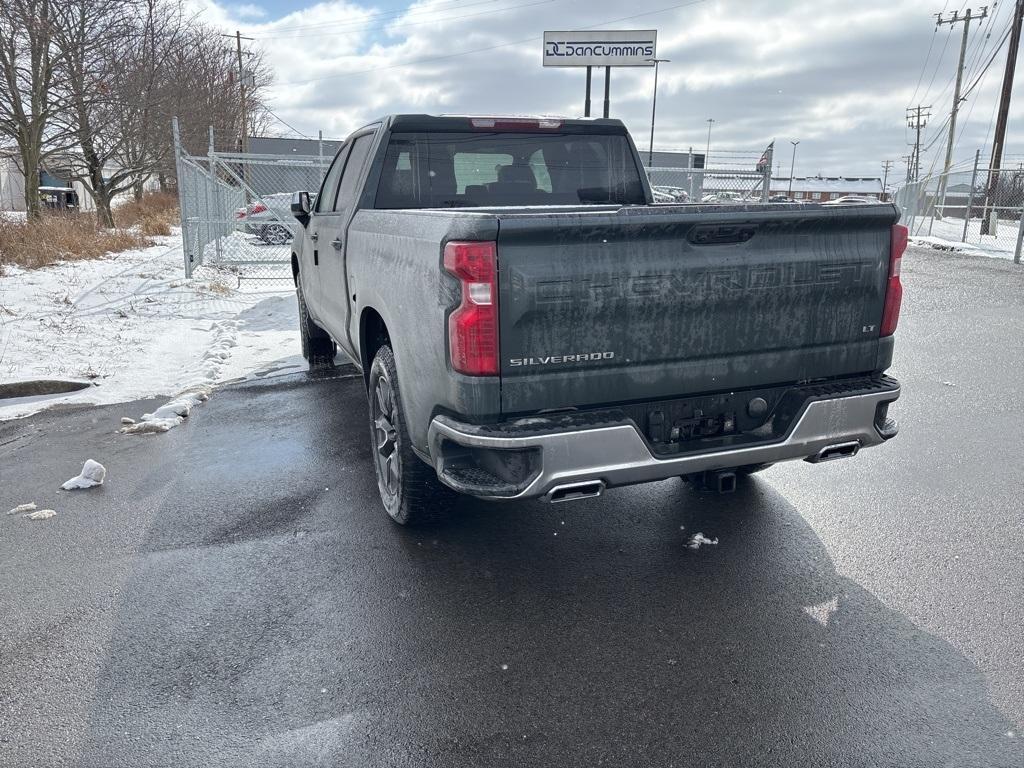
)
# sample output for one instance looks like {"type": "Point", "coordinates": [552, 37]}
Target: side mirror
{"type": "Point", "coordinates": [301, 207]}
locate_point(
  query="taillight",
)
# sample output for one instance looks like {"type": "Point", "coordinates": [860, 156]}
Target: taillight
{"type": "Point", "coordinates": [473, 327]}
{"type": "Point", "coordinates": [257, 208]}
{"type": "Point", "coordinates": [894, 290]}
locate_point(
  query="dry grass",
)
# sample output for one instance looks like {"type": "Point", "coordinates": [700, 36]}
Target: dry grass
{"type": "Point", "coordinates": [61, 237]}
{"type": "Point", "coordinates": [154, 214]}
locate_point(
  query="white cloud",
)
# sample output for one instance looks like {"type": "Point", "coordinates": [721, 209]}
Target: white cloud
{"type": "Point", "coordinates": [248, 11]}
{"type": "Point", "coordinates": [804, 69]}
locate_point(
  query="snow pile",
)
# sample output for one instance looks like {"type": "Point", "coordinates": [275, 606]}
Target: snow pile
{"type": "Point", "coordinates": [169, 415]}
{"type": "Point", "coordinates": [135, 327]}
{"type": "Point", "coordinates": [22, 509]}
{"type": "Point", "coordinates": [699, 538]}
{"type": "Point", "coordinates": [946, 234]}
{"type": "Point", "coordinates": [92, 474]}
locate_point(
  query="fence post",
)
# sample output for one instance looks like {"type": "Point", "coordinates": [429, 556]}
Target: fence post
{"type": "Point", "coordinates": [320, 153]}
{"type": "Point", "coordinates": [1020, 238]}
{"type": "Point", "coordinates": [689, 164]}
{"type": "Point", "coordinates": [943, 180]}
{"type": "Point", "coordinates": [211, 154]}
{"type": "Point", "coordinates": [970, 196]}
{"type": "Point", "coordinates": [183, 211]}
{"type": "Point", "coordinates": [766, 177]}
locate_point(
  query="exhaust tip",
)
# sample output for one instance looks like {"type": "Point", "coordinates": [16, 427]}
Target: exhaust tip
{"type": "Point", "coordinates": [837, 451]}
{"type": "Point", "coordinates": [575, 491]}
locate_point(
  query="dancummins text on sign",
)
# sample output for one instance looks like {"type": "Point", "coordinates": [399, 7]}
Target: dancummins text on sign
{"type": "Point", "coordinates": [618, 48]}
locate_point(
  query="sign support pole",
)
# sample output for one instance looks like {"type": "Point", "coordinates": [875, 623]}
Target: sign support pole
{"type": "Point", "coordinates": [586, 104]}
{"type": "Point", "coordinates": [607, 89]}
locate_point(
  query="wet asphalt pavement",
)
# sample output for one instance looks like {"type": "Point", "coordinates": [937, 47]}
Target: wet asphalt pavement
{"type": "Point", "coordinates": [235, 596]}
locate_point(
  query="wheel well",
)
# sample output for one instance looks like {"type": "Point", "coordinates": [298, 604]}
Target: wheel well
{"type": "Point", "coordinates": [373, 334]}
{"type": "Point", "coordinates": [295, 268]}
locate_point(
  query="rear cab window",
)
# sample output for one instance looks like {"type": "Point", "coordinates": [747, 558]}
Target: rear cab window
{"type": "Point", "coordinates": [469, 169]}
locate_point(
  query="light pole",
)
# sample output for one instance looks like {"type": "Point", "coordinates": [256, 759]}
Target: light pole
{"type": "Point", "coordinates": [792, 165]}
{"type": "Point", "coordinates": [654, 109]}
{"type": "Point", "coordinates": [707, 152]}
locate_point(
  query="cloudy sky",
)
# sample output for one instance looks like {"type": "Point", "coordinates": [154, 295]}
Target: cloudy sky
{"type": "Point", "coordinates": [835, 75]}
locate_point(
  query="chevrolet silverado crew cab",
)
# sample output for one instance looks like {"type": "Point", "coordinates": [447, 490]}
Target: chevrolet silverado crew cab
{"type": "Point", "coordinates": [530, 325]}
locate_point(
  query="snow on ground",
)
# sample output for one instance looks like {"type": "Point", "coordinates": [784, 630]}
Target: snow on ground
{"type": "Point", "coordinates": [946, 234]}
{"type": "Point", "coordinates": [134, 327]}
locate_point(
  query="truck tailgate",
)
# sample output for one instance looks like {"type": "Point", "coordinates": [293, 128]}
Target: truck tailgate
{"type": "Point", "coordinates": [655, 302]}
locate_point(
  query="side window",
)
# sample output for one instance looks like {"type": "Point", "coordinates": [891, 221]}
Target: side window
{"type": "Point", "coordinates": [325, 200]}
{"type": "Point", "coordinates": [353, 168]}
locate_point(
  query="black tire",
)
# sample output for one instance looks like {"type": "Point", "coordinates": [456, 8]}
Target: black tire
{"type": "Point", "coordinates": [317, 347]}
{"type": "Point", "coordinates": [409, 488]}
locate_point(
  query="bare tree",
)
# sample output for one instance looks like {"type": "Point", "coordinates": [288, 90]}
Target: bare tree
{"type": "Point", "coordinates": [27, 104]}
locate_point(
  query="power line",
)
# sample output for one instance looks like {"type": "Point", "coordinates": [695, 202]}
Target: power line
{"type": "Point", "coordinates": [482, 50]}
{"type": "Point", "coordinates": [281, 120]}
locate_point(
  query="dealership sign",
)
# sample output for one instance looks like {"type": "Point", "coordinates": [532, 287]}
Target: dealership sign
{"type": "Point", "coordinates": [621, 48]}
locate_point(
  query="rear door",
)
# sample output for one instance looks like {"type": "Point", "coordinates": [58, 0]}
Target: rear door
{"type": "Point", "coordinates": [607, 307]}
{"type": "Point", "coordinates": [333, 232]}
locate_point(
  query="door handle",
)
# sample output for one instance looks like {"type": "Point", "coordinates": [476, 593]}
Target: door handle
{"type": "Point", "coordinates": [314, 237]}
{"type": "Point", "coordinates": [337, 244]}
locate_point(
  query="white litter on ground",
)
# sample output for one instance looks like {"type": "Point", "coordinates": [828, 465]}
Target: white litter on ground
{"type": "Point", "coordinates": [21, 509]}
{"type": "Point", "coordinates": [699, 538]}
{"type": "Point", "coordinates": [93, 474]}
{"type": "Point", "coordinates": [170, 414]}
{"type": "Point", "coordinates": [133, 326]}
{"type": "Point", "coordinates": [41, 514]}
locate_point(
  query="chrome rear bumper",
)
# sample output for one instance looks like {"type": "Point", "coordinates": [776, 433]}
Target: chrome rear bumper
{"type": "Point", "coordinates": [618, 454]}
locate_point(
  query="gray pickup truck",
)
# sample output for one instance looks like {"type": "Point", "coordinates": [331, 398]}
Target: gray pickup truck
{"type": "Point", "coordinates": [530, 325]}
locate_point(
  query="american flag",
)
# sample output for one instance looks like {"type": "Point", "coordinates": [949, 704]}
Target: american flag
{"type": "Point", "coordinates": [762, 164]}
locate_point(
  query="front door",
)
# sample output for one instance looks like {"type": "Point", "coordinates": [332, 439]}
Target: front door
{"type": "Point", "coordinates": [314, 233]}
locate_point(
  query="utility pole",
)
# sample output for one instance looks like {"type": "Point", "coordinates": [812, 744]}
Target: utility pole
{"type": "Point", "coordinates": [244, 129]}
{"type": "Point", "coordinates": [917, 118]}
{"type": "Point", "coordinates": [886, 165]}
{"type": "Point", "coordinates": [1004, 110]}
{"type": "Point", "coordinates": [654, 110]}
{"type": "Point", "coordinates": [908, 160]}
{"type": "Point", "coordinates": [707, 152]}
{"type": "Point", "coordinates": [966, 19]}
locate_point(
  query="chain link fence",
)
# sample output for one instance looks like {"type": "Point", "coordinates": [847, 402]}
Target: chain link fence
{"type": "Point", "coordinates": [707, 185]}
{"type": "Point", "coordinates": [730, 176]}
{"type": "Point", "coordinates": [235, 209]}
{"type": "Point", "coordinates": [969, 208]}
